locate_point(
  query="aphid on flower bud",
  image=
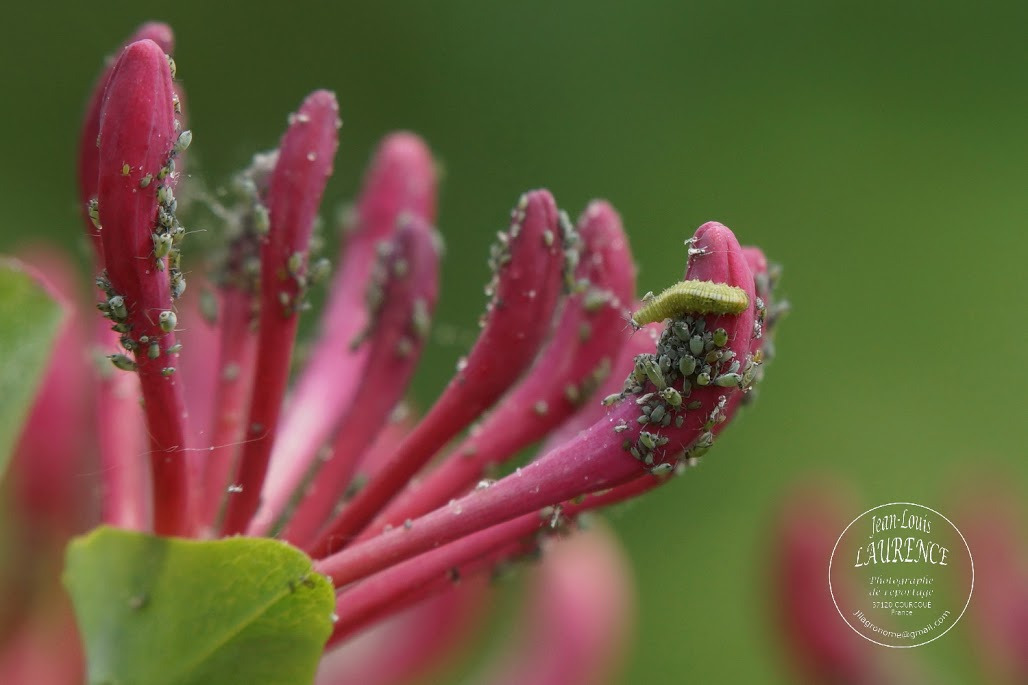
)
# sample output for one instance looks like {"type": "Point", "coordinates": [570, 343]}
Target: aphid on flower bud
{"type": "Point", "coordinates": [116, 306]}
{"type": "Point", "coordinates": [122, 362]}
{"type": "Point", "coordinates": [261, 220]}
{"type": "Point", "coordinates": [165, 195]}
{"type": "Point", "coordinates": [162, 244]}
{"type": "Point", "coordinates": [182, 142]}
{"type": "Point", "coordinates": [167, 320]}
{"type": "Point", "coordinates": [662, 469]}
{"type": "Point", "coordinates": [93, 208]}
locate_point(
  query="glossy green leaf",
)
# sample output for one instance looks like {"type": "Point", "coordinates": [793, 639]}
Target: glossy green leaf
{"type": "Point", "coordinates": [29, 320]}
{"type": "Point", "coordinates": [168, 611]}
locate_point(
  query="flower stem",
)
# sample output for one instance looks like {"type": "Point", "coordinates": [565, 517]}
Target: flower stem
{"type": "Point", "coordinates": [237, 353]}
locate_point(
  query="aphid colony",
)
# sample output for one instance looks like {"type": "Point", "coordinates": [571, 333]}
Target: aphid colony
{"type": "Point", "coordinates": [167, 235]}
{"type": "Point", "coordinates": [114, 309]}
{"type": "Point", "coordinates": [687, 356]}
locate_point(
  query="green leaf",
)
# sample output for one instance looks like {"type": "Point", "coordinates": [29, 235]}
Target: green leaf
{"type": "Point", "coordinates": [29, 320]}
{"type": "Point", "coordinates": [163, 611]}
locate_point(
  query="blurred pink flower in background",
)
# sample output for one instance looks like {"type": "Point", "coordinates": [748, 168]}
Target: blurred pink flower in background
{"type": "Point", "coordinates": [823, 649]}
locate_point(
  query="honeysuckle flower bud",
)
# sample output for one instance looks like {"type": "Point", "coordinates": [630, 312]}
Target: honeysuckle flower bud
{"type": "Point", "coordinates": [294, 195]}
{"type": "Point", "coordinates": [138, 138]}
{"type": "Point", "coordinates": [411, 643]}
{"type": "Point", "coordinates": [823, 648]}
{"type": "Point", "coordinates": [49, 456]}
{"type": "Point", "coordinates": [89, 154]}
{"type": "Point", "coordinates": [992, 521]}
{"type": "Point", "coordinates": [578, 618]}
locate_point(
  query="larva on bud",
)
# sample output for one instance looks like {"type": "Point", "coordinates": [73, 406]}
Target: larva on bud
{"type": "Point", "coordinates": [691, 297]}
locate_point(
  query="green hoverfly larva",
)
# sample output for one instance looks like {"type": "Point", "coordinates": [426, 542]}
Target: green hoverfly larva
{"type": "Point", "coordinates": [691, 297]}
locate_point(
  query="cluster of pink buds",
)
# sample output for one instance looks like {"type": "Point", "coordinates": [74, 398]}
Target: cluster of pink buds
{"type": "Point", "coordinates": [393, 509]}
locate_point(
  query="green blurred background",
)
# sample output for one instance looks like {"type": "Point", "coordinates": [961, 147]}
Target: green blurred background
{"type": "Point", "coordinates": [876, 149]}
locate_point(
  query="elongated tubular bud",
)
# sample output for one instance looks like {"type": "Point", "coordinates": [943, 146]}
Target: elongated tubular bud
{"type": "Point", "coordinates": [587, 339]}
{"type": "Point", "coordinates": [401, 180]}
{"type": "Point", "coordinates": [238, 308]}
{"type": "Point", "coordinates": [50, 457]}
{"type": "Point", "coordinates": [89, 153]}
{"type": "Point", "coordinates": [137, 134]}
{"type": "Point", "coordinates": [116, 406]}
{"type": "Point", "coordinates": [529, 266]}
{"type": "Point", "coordinates": [236, 356]}
{"type": "Point", "coordinates": [596, 459]}
{"type": "Point", "coordinates": [294, 195]}
{"type": "Point", "coordinates": [408, 292]}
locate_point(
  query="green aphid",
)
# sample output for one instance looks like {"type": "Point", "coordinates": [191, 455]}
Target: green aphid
{"type": "Point", "coordinates": [167, 170]}
{"type": "Point", "coordinates": [167, 320]}
{"type": "Point", "coordinates": [672, 397]}
{"type": "Point", "coordinates": [662, 469]}
{"type": "Point", "coordinates": [696, 345]}
{"type": "Point", "coordinates": [729, 380]}
{"type": "Point", "coordinates": [168, 371]}
{"type": "Point", "coordinates": [703, 379]}
{"type": "Point", "coordinates": [421, 320]}
{"type": "Point", "coordinates": [165, 195]}
{"type": "Point", "coordinates": [93, 208]}
{"type": "Point", "coordinates": [178, 284]}
{"type": "Point", "coordinates": [123, 362]}
{"type": "Point", "coordinates": [182, 142]}
{"type": "Point", "coordinates": [648, 440]}
{"type": "Point", "coordinates": [652, 371]}
{"type": "Point", "coordinates": [686, 365]}
{"type": "Point", "coordinates": [154, 350]}
{"type": "Point", "coordinates": [162, 244]}
{"type": "Point", "coordinates": [319, 270]}
{"type": "Point", "coordinates": [295, 264]}
{"type": "Point", "coordinates": [175, 349]}
{"type": "Point", "coordinates": [145, 181]}
{"type": "Point", "coordinates": [261, 220]}
{"type": "Point", "coordinates": [720, 337]}
{"type": "Point", "coordinates": [117, 308]}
